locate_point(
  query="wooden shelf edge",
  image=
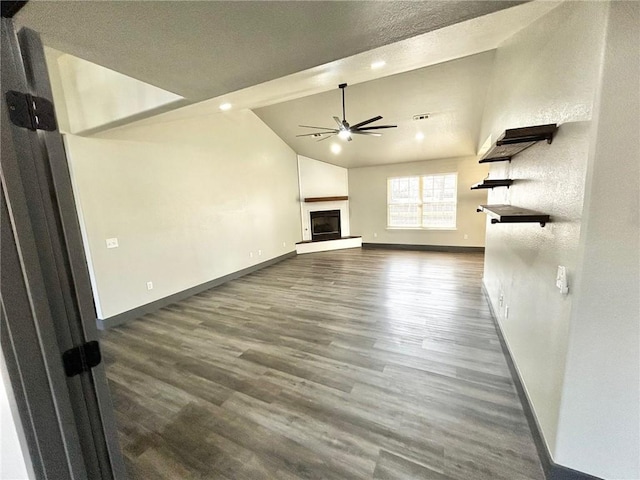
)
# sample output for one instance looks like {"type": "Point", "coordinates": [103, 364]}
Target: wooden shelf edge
{"type": "Point", "coordinates": [503, 182]}
{"type": "Point", "coordinates": [528, 134]}
{"type": "Point", "coordinates": [515, 140]}
{"type": "Point", "coordinates": [324, 199]}
{"type": "Point", "coordinates": [512, 214]}
{"type": "Point", "coordinates": [495, 159]}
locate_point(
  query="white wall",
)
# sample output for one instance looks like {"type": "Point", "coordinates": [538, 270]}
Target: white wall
{"type": "Point", "coordinates": [550, 72]}
{"type": "Point", "coordinates": [368, 195]}
{"type": "Point", "coordinates": [320, 179]}
{"type": "Point", "coordinates": [89, 96]}
{"type": "Point", "coordinates": [599, 426]}
{"type": "Point", "coordinates": [189, 201]}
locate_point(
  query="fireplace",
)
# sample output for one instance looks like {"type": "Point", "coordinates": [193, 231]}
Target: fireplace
{"type": "Point", "coordinates": [325, 225]}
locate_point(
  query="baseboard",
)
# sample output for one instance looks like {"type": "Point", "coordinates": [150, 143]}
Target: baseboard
{"type": "Point", "coordinates": [429, 248]}
{"type": "Point", "coordinates": [552, 470]}
{"type": "Point", "coordinates": [137, 312]}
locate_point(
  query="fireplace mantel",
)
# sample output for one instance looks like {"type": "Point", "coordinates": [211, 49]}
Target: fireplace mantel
{"type": "Point", "coordinates": [325, 199]}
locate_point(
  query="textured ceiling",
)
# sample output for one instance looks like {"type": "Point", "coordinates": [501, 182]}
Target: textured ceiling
{"type": "Point", "coordinates": [284, 60]}
{"type": "Point", "coordinates": [204, 49]}
{"type": "Point", "coordinates": [453, 93]}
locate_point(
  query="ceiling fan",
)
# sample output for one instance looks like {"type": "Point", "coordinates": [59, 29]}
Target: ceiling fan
{"type": "Point", "coordinates": [345, 130]}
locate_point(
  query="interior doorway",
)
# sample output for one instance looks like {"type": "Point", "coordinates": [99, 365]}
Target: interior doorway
{"type": "Point", "coordinates": [49, 337]}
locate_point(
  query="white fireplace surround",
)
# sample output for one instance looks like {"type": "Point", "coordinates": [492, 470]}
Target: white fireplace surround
{"type": "Point", "coordinates": [308, 207]}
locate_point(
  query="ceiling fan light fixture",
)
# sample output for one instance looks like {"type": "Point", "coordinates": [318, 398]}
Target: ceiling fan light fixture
{"type": "Point", "coordinates": [344, 129]}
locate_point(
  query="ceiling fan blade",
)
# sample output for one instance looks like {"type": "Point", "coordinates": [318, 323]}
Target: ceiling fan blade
{"type": "Point", "coordinates": [317, 133]}
{"type": "Point", "coordinates": [379, 127]}
{"type": "Point", "coordinates": [321, 128]}
{"type": "Point", "coordinates": [366, 122]}
{"type": "Point", "coordinates": [339, 122]}
{"type": "Point", "coordinates": [328, 136]}
{"type": "Point", "coordinates": [358, 132]}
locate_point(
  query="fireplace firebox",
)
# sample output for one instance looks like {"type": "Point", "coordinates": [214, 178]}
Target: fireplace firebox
{"type": "Point", "coordinates": [325, 225]}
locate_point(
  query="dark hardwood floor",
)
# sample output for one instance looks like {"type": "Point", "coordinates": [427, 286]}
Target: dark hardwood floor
{"type": "Point", "coordinates": [363, 364]}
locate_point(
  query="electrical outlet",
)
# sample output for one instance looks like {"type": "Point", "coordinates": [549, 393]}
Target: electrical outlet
{"type": "Point", "coordinates": [250, 254]}
{"type": "Point", "coordinates": [375, 235]}
{"type": "Point", "coordinates": [149, 285]}
{"type": "Point", "coordinates": [506, 311]}
{"type": "Point", "coordinates": [284, 244]}
{"type": "Point", "coordinates": [466, 236]}
{"type": "Point", "coordinates": [259, 253]}
{"type": "Point", "coordinates": [112, 243]}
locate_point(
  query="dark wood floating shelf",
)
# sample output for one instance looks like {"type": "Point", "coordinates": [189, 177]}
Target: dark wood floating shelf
{"type": "Point", "coordinates": [511, 214]}
{"type": "Point", "coordinates": [503, 182]}
{"type": "Point", "coordinates": [324, 199]}
{"type": "Point", "coordinates": [515, 140]}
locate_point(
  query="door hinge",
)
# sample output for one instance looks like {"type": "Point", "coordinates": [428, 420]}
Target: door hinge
{"type": "Point", "coordinates": [28, 111]}
{"type": "Point", "coordinates": [81, 359]}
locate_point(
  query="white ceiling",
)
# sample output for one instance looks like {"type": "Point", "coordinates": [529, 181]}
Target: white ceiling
{"type": "Point", "coordinates": [284, 60]}
{"type": "Point", "coordinates": [453, 93]}
{"type": "Point", "coordinates": [202, 49]}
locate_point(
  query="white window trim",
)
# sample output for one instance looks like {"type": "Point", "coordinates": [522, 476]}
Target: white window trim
{"type": "Point", "coordinates": [420, 202]}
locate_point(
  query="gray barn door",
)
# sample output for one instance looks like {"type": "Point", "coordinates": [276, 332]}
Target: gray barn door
{"type": "Point", "coordinates": [46, 304]}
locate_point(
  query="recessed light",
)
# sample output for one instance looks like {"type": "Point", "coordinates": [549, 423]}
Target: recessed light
{"type": "Point", "coordinates": [419, 136]}
{"type": "Point", "coordinates": [335, 148]}
{"type": "Point", "coordinates": [225, 106]}
{"type": "Point", "coordinates": [378, 64]}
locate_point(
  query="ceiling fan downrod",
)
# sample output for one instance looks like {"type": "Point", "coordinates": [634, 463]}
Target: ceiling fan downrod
{"type": "Point", "coordinates": [345, 130]}
{"type": "Point", "coordinates": [342, 86]}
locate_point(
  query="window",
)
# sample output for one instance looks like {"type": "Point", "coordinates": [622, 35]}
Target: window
{"type": "Point", "coordinates": [427, 201]}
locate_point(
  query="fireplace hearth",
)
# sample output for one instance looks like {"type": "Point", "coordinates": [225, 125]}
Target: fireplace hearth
{"type": "Point", "coordinates": [325, 225]}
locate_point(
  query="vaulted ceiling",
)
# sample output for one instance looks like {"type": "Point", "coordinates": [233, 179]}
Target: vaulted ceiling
{"type": "Point", "coordinates": [284, 60]}
{"type": "Point", "coordinates": [451, 93]}
{"type": "Point", "coordinates": [202, 49]}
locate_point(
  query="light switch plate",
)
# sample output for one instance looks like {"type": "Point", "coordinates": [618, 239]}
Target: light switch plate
{"type": "Point", "coordinates": [561, 280]}
{"type": "Point", "coordinates": [112, 243]}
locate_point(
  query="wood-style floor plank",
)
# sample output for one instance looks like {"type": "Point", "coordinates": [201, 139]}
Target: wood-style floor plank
{"type": "Point", "coordinates": [352, 364]}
